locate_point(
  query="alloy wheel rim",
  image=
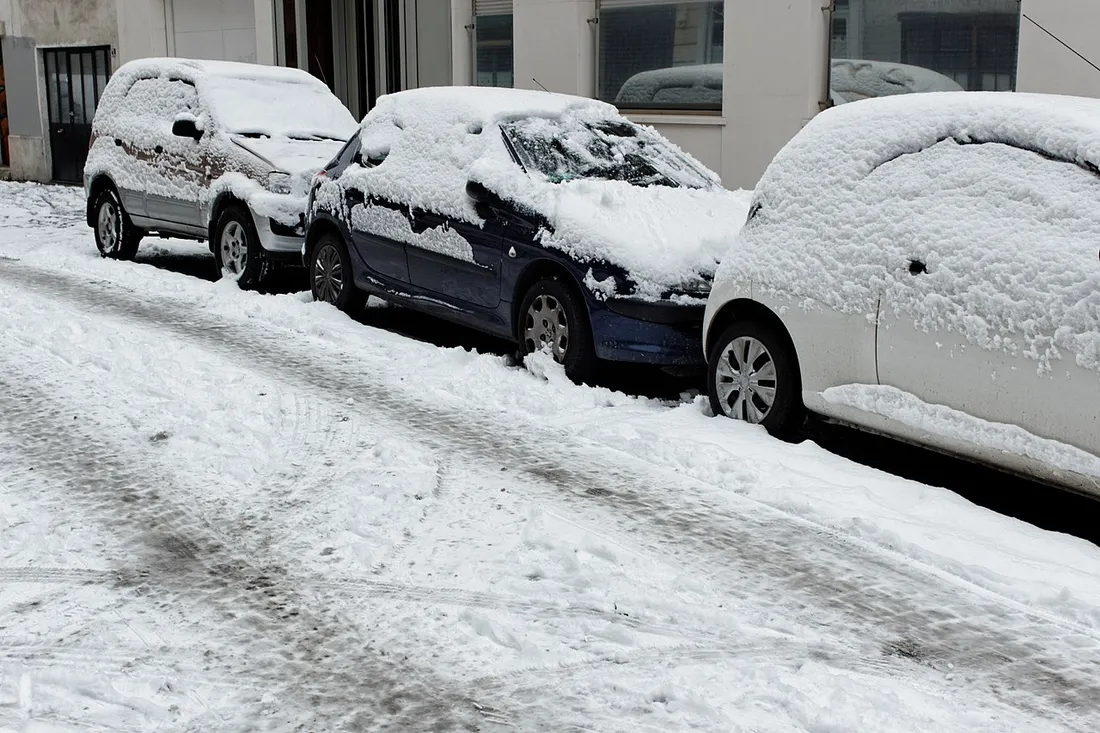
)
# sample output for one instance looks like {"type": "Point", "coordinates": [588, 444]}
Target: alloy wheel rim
{"type": "Point", "coordinates": [234, 249]}
{"type": "Point", "coordinates": [547, 326]}
{"type": "Point", "coordinates": [108, 227]}
{"type": "Point", "coordinates": [328, 275]}
{"type": "Point", "coordinates": [746, 380]}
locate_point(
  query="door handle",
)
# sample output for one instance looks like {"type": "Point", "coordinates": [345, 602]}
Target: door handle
{"type": "Point", "coordinates": [916, 267]}
{"type": "Point", "coordinates": [354, 196]}
{"type": "Point", "coordinates": [158, 149]}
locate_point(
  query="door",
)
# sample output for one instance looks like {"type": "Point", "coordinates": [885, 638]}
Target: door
{"type": "Point", "coordinates": [169, 168]}
{"type": "Point", "coordinates": [75, 78]}
{"type": "Point", "coordinates": [455, 260]}
{"type": "Point", "coordinates": [379, 230]}
{"type": "Point", "coordinates": [988, 311]}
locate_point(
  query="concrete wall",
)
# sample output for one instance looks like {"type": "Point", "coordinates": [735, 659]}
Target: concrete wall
{"type": "Point", "coordinates": [433, 42]}
{"type": "Point", "coordinates": [1048, 66]}
{"type": "Point", "coordinates": [554, 43]}
{"type": "Point", "coordinates": [28, 26]}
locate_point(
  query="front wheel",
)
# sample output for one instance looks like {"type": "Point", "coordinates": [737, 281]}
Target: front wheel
{"type": "Point", "coordinates": [554, 320]}
{"type": "Point", "coordinates": [330, 275]}
{"type": "Point", "coordinates": [116, 236]}
{"type": "Point", "coordinates": [752, 375]}
{"type": "Point", "coordinates": [237, 250]}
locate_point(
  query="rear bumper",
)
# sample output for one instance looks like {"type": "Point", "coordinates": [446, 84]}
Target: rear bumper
{"type": "Point", "coordinates": [662, 334]}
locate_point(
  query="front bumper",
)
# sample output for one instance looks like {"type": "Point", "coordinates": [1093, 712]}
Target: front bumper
{"type": "Point", "coordinates": [638, 332]}
{"type": "Point", "coordinates": [281, 241]}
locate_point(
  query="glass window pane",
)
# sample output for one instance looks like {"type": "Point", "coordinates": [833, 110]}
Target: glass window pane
{"type": "Point", "coordinates": [662, 55]}
{"type": "Point", "coordinates": [88, 79]}
{"type": "Point", "coordinates": [493, 58]}
{"type": "Point", "coordinates": [883, 47]}
{"type": "Point", "coordinates": [76, 88]}
{"type": "Point", "coordinates": [51, 87]}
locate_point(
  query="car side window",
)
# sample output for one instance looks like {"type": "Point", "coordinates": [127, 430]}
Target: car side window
{"type": "Point", "coordinates": [151, 106]}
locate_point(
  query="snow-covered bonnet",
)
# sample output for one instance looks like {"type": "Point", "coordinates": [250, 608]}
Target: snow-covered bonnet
{"type": "Point", "coordinates": [431, 142]}
{"type": "Point", "coordinates": [1009, 230]}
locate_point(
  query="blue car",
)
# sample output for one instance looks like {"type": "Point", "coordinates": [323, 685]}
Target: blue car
{"type": "Point", "coordinates": [545, 219]}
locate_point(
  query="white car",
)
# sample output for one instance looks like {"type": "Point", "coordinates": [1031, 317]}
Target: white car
{"type": "Point", "coordinates": [210, 150]}
{"type": "Point", "coordinates": [925, 266]}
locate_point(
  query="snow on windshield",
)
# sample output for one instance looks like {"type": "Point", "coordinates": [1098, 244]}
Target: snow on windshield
{"type": "Point", "coordinates": [568, 148]}
{"type": "Point", "coordinates": [1009, 237]}
{"type": "Point", "coordinates": [277, 108]}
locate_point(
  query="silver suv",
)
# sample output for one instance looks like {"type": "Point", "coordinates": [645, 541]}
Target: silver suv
{"type": "Point", "coordinates": [213, 151]}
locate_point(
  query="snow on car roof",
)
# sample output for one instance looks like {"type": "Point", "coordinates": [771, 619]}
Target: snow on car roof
{"type": "Point", "coordinates": [193, 69]}
{"type": "Point", "coordinates": [1008, 229]}
{"type": "Point", "coordinates": [431, 142]}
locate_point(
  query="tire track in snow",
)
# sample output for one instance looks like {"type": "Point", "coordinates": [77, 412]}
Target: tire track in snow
{"type": "Point", "coordinates": [1025, 657]}
{"type": "Point", "coordinates": [301, 651]}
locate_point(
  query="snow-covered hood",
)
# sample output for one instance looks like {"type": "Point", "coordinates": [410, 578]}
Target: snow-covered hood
{"type": "Point", "coordinates": [300, 158]}
{"type": "Point", "coordinates": [664, 238]}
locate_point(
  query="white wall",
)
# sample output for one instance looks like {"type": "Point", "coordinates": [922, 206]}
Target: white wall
{"type": "Point", "coordinates": [213, 29]}
{"type": "Point", "coordinates": [554, 43]}
{"type": "Point", "coordinates": [1045, 64]}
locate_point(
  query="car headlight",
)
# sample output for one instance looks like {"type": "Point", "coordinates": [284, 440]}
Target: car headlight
{"type": "Point", "coordinates": [278, 182]}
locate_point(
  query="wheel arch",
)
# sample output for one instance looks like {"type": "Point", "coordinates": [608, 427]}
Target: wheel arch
{"type": "Point", "coordinates": [100, 183]}
{"type": "Point", "coordinates": [318, 228]}
{"type": "Point", "coordinates": [223, 201]}
{"type": "Point", "coordinates": [745, 309]}
{"type": "Point", "coordinates": [537, 270]}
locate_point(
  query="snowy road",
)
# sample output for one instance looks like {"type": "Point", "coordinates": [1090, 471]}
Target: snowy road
{"type": "Point", "coordinates": [227, 511]}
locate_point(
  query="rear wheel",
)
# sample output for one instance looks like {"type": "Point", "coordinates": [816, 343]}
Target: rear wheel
{"type": "Point", "coordinates": [330, 275]}
{"type": "Point", "coordinates": [115, 235]}
{"type": "Point", "coordinates": [753, 376]}
{"type": "Point", "coordinates": [237, 249]}
{"type": "Point", "coordinates": [554, 319]}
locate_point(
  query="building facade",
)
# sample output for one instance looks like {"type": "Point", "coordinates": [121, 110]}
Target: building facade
{"type": "Point", "coordinates": [729, 80]}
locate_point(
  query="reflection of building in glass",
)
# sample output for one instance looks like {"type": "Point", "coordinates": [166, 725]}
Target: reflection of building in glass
{"type": "Point", "coordinates": [493, 52]}
{"type": "Point", "coordinates": [637, 36]}
{"type": "Point", "coordinates": [973, 42]}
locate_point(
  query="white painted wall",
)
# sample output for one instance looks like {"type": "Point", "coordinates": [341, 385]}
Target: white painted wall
{"type": "Point", "coordinates": [214, 29]}
{"type": "Point", "coordinates": [1045, 64]}
{"type": "Point", "coordinates": [554, 43]}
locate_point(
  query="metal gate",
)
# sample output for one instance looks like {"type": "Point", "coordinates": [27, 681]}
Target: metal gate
{"type": "Point", "coordinates": [75, 78]}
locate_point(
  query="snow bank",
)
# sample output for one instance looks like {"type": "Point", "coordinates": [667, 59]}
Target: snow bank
{"type": "Point", "coordinates": [434, 141]}
{"type": "Point", "coordinates": [1009, 237]}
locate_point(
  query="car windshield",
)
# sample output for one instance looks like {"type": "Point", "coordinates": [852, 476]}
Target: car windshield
{"type": "Point", "coordinates": [271, 108]}
{"type": "Point", "coordinates": [565, 149]}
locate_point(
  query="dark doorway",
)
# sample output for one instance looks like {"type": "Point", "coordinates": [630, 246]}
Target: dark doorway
{"type": "Point", "coordinates": [75, 78]}
{"type": "Point", "coordinates": [3, 115]}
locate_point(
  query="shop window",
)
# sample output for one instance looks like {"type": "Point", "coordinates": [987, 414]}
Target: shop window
{"type": "Point", "coordinates": [493, 60]}
{"type": "Point", "coordinates": [661, 54]}
{"type": "Point", "coordinates": [883, 47]}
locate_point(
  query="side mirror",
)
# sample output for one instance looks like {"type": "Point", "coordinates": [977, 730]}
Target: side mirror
{"type": "Point", "coordinates": [480, 194]}
{"type": "Point", "coordinates": [186, 127]}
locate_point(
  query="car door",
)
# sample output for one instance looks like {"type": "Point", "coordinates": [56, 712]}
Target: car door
{"type": "Point", "coordinates": [379, 230]}
{"type": "Point", "coordinates": [178, 176]}
{"type": "Point", "coordinates": [455, 260]}
{"type": "Point", "coordinates": [994, 257]}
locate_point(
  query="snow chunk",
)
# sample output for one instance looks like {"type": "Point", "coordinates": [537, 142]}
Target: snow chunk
{"type": "Point", "coordinates": [395, 225]}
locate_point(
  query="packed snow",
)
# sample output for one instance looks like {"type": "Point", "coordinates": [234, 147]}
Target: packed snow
{"type": "Point", "coordinates": [996, 195]}
{"type": "Point", "coordinates": [395, 225]}
{"type": "Point", "coordinates": [432, 142]}
{"type": "Point", "coordinates": [227, 511]}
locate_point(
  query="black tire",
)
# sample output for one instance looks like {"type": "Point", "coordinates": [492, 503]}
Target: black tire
{"type": "Point", "coordinates": [330, 275]}
{"type": "Point", "coordinates": [784, 416]}
{"type": "Point", "coordinates": [237, 250]}
{"type": "Point", "coordinates": [116, 236]}
{"type": "Point", "coordinates": [578, 355]}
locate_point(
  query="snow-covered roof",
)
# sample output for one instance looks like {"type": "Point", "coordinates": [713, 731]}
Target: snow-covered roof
{"type": "Point", "coordinates": [270, 100]}
{"type": "Point", "coordinates": [1008, 230]}
{"type": "Point", "coordinates": [435, 140]}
